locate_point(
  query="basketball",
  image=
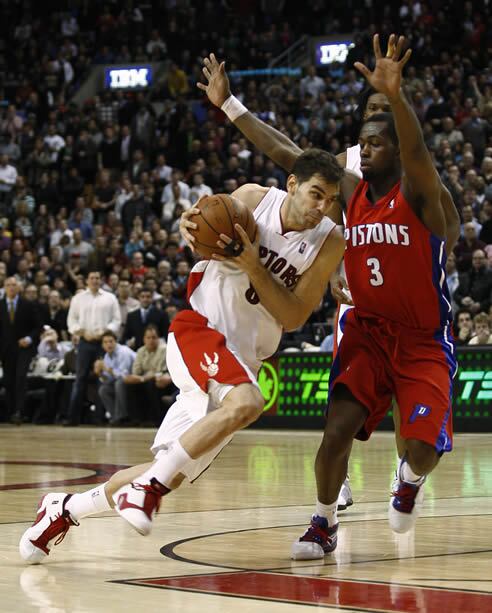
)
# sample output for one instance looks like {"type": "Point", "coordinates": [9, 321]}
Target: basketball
{"type": "Point", "coordinates": [219, 214]}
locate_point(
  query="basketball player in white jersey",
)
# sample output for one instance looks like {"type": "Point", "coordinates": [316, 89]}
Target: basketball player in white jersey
{"type": "Point", "coordinates": [284, 152]}
{"type": "Point", "coordinates": [239, 308]}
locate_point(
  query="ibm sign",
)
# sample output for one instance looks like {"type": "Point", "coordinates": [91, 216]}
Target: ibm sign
{"type": "Point", "coordinates": [330, 52]}
{"type": "Point", "coordinates": [134, 77]}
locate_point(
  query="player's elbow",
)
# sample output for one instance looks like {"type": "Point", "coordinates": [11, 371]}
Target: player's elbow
{"type": "Point", "coordinates": [295, 320]}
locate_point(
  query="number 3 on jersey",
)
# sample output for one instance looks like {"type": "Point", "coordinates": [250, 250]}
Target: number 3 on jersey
{"type": "Point", "coordinates": [377, 277]}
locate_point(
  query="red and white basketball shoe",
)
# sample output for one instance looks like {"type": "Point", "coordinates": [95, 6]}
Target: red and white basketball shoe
{"type": "Point", "coordinates": [52, 522]}
{"type": "Point", "coordinates": [318, 540]}
{"type": "Point", "coordinates": [406, 502]}
{"type": "Point", "coordinates": [138, 503]}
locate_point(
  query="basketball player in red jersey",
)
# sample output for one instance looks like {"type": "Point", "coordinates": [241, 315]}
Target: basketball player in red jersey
{"type": "Point", "coordinates": [397, 340]}
{"type": "Point", "coordinates": [284, 152]}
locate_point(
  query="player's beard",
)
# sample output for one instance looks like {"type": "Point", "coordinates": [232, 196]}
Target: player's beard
{"type": "Point", "coordinates": [368, 175]}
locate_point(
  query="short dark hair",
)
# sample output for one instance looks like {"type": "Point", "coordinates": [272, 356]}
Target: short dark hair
{"type": "Point", "coordinates": [388, 119]}
{"type": "Point", "coordinates": [151, 328]}
{"type": "Point", "coordinates": [109, 333]}
{"type": "Point", "coordinates": [91, 271]}
{"type": "Point", "coordinates": [144, 289]}
{"type": "Point", "coordinates": [317, 162]}
{"type": "Point", "coordinates": [364, 96]}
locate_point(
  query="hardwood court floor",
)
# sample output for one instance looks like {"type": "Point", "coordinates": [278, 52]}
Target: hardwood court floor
{"type": "Point", "coordinates": [222, 544]}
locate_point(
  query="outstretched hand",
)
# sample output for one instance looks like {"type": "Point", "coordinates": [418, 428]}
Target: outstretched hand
{"type": "Point", "coordinates": [217, 87]}
{"type": "Point", "coordinates": [387, 75]}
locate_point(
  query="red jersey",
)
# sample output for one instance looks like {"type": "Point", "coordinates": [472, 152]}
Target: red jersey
{"type": "Point", "coordinates": [395, 266]}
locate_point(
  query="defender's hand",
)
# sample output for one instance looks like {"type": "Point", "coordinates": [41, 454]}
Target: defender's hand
{"type": "Point", "coordinates": [339, 289]}
{"type": "Point", "coordinates": [248, 258]}
{"type": "Point", "coordinates": [387, 75]}
{"type": "Point", "coordinates": [217, 87]}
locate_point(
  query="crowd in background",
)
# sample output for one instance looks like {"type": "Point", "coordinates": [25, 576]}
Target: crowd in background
{"type": "Point", "coordinates": [101, 185]}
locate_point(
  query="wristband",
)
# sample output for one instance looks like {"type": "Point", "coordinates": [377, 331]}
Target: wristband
{"type": "Point", "coordinates": [233, 108]}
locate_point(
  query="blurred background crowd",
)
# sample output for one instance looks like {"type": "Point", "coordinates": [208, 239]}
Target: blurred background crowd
{"type": "Point", "coordinates": [101, 185]}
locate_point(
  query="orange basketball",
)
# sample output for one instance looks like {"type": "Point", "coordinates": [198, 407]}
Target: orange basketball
{"type": "Point", "coordinates": [219, 214]}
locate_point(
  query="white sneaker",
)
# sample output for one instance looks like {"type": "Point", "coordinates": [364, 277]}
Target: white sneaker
{"type": "Point", "coordinates": [137, 503]}
{"type": "Point", "coordinates": [405, 503]}
{"type": "Point", "coordinates": [52, 522]}
{"type": "Point", "coordinates": [345, 496]}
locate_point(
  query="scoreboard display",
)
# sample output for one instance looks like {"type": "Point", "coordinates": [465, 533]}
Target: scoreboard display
{"type": "Point", "coordinates": [295, 388]}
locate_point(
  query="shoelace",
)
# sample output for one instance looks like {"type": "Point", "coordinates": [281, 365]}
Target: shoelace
{"type": "Point", "coordinates": [149, 488]}
{"type": "Point", "coordinates": [62, 535]}
{"type": "Point", "coordinates": [315, 533]}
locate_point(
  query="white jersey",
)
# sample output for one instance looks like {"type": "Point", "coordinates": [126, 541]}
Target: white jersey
{"type": "Point", "coordinates": [353, 160]}
{"type": "Point", "coordinates": [224, 295]}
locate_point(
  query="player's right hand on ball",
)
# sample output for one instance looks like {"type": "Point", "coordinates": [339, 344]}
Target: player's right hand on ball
{"type": "Point", "coordinates": [217, 87]}
{"type": "Point", "coordinates": [185, 225]}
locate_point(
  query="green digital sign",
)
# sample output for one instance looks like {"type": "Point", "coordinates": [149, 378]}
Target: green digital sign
{"type": "Point", "coordinates": [296, 385]}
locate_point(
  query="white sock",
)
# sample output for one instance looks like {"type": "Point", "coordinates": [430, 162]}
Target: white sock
{"type": "Point", "coordinates": [327, 510]}
{"type": "Point", "coordinates": [88, 503]}
{"type": "Point", "coordinates": [167, 466]}
{"type": "Point", "coordinates": [407, 474]}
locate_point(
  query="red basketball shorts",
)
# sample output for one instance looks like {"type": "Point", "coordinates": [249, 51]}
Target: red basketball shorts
{"type": "Point", "coordinates": [378, 359]}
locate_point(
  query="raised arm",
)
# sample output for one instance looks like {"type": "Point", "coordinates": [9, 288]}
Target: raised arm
{"type": "Point", "coordinates": [452, 218]}
{"type": "Point", "coordinates": [421, 184]}
{"type": "Point", "coordinates": [267, 139]}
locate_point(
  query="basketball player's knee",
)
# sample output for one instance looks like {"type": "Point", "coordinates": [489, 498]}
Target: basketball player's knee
{"type": "Point", "coordinates": [421, 456]}
{"type": "Point", "coordinates": [243, 408]}
{"type": "Point", "coordinates": [336, 439]}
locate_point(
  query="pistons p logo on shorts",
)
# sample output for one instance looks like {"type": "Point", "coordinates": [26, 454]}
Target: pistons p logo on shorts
{"type": "Point", "coordinates": [420, 410]}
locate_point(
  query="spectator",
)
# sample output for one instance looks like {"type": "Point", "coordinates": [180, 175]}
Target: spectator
{"type": "Point", "coordinates": [474, 130]}
{"type": "Point", "coordinates": [55, 143]}
{"type": "Point", "coordinates": [138, 270]}
{"type": "Point", "coordinates": [149, 377]}
{"type": "Point", "coordinates": [177, 82]}
{"type": "Point", "coordinates": [79, 248]}
{"type": "Point", "coordinates": [452, 278]}
{"type": "Point", "coordinates": [138, 319]}
{"type": "Point", "coordinates": [57, 315]}
{"type": "Point", "coordinates": [92, 311]}
{"type": "Point", "coordinates": [138, 166]}
{"type": "Point", "coordinates": [464, 325]}
{"type": "Point", "coordinates": [475, 287]}
{"type": "Point", "coordinates": [481, 329]}
{"type": "Point", "coordinates": [199, 188]}
{"type": "Point", "coordinates": [19, 333]}
{"type": "Point", "coordinates": [162, 172]}
{"type": "Point", "coordinates": [49, 347]}
{"type": "Point", "coordinates": [8, 177]}
{"type": "Point", "coordinates": [112, 370]}
{"type": "Point", "coordinates": [126, 303]}
{"type": "Point", "coordinates": [156, 45]}
{"type": "Point", "coordinates": [465, 247]}
{"type": "Point", "coordinates": [311, 84]}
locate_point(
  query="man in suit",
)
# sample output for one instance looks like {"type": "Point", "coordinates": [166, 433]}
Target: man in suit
{"type": "Point", "coordinates": [138, 319]}
{"type": "Point", "coordinates": [19, 333]}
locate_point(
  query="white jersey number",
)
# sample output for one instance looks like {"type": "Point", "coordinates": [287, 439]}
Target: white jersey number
{"type": "Point", "coordinates": [377, 277]}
